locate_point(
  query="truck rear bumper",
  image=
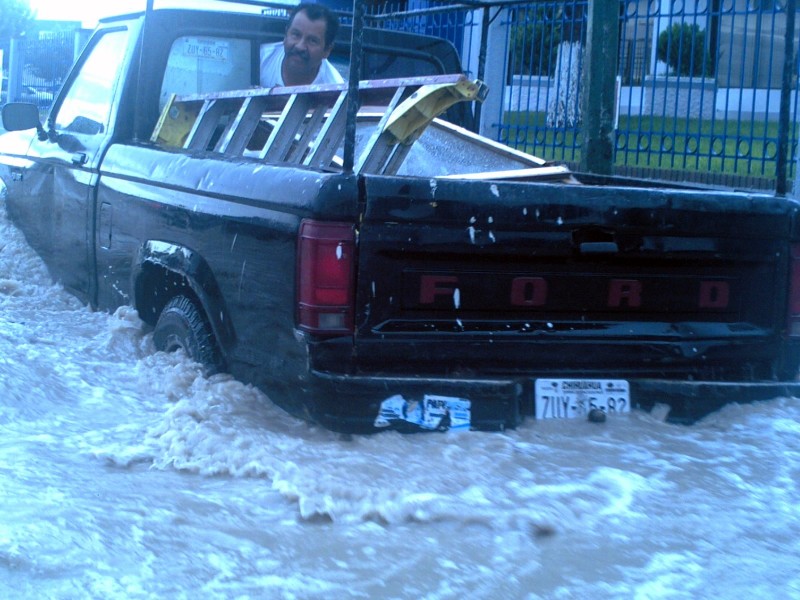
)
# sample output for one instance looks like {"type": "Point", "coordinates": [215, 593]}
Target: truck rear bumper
{"type": "Point", "coordinates": [692, 400]}
{"type": "Point", "coordinates": [359, 404]}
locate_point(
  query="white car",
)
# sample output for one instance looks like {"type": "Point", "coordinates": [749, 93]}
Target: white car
{"type": "Point", "coordinates": [36, 96]}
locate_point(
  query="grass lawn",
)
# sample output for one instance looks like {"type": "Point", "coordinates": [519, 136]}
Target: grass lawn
{"type": "Point", "coordinates": [747, 148]}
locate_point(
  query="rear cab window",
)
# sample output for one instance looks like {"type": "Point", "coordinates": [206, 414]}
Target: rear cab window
{"type": "Point", "coordinates": [205, 64]}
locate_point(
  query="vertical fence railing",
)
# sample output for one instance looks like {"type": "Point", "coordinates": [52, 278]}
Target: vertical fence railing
{"type": "Point", "coordinates": [541, 108]}
{"type": "Point", "coordinates": [708, 99]}
{"type": "Point", "coordinates": [461, 26]}
{"type": "Point", "coordinates": [41, 61]}
{"type": "Point", "coordinates": [699, 82]}
{"type": "Point", "coordinates": [666, 106]}
{"type": "Point", "coordinates": [789, 72]}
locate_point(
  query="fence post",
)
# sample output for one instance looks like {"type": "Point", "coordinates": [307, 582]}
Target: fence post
{"type": "Point", "coordinates": [15, 63]}
{"type": "Point", "coordinates": [599, 84]}
{"type": "Point", "coordinates": [495, 78]}
{"type": "Point", "coordinates": [789, 70]}
{"type": "Point", "coordinates": [356, 45]}
{"type": "Point", "coordinates": [484, 41]}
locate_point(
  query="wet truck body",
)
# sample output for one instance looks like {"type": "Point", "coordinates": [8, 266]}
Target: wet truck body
{"type": "Point", "coordinates": [472, 288]}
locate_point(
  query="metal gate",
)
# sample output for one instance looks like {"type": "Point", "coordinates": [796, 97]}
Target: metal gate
{"type": "Point", "coordinates": [698, 81]}
{"type": "Point", "coordinates": [38, 64]}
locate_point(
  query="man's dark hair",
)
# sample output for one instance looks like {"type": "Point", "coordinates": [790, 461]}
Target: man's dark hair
{"type": "Point", "coordinates": [315, 12]}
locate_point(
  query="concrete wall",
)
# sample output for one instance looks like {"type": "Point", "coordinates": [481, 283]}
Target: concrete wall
{"type": "Point", "coordinates": [682, 97]}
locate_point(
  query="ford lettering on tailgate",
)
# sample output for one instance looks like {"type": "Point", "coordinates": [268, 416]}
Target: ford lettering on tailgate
{"type": "Point", "coordinates": [577, 292]}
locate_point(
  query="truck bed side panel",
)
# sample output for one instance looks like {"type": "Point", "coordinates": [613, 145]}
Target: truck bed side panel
{"type": "Point", "coordinates": [242, 219]}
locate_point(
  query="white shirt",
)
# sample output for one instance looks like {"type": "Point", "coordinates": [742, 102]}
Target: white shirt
{"type": "Point", "coordinates": [272, 60]}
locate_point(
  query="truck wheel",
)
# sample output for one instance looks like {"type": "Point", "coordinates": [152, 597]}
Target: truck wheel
{"type": "Point", "coordinates": [182, 326]}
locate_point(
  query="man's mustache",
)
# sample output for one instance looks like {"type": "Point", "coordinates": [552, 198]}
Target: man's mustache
{"type": "Point", "coordinates": [299, 53]}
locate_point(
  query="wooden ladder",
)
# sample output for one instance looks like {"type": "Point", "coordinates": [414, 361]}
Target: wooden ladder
{"type": "Point", "coordinates": [305, 125]}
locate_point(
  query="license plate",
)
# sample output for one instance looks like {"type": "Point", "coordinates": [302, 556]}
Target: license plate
{"type": "Point", "coordinates": [574, 398]}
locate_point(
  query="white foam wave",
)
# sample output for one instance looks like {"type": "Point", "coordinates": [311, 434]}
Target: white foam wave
{"type": "Point", "coordinates": [219, 426]}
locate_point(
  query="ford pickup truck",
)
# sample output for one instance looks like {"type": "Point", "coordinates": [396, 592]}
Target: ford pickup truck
{"type": "Point", "coordinates": [441, 281]}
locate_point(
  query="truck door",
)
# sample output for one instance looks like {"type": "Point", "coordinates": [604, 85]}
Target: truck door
{"type": "Point", "coordinates": [64, 168]}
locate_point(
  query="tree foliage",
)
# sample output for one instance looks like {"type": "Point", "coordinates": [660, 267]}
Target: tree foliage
{"type": "Point", "coordinates": [682, 47]}
{"type": "Point", "coordinates": [15, 17]}
{"type": "Point", "coordinates": [535, 38]}
{"type": "Point", "coordinates": [51, 58]}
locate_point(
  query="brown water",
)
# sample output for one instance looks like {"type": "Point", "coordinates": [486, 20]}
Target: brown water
{"type": "Point", "coordinates": [125, 474]}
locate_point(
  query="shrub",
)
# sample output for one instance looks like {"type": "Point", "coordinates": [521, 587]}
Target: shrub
{"type": "Point", "coordinates": [534, 41]}
{"type": "Point", "coordinates": [682, 47]}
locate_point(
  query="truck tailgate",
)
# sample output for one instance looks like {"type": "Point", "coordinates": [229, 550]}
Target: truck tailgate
{"type": "Point", "coordinates": [488, 278]}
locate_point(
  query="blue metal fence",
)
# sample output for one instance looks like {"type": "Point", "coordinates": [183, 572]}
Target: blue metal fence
{"type": "Point", "coordinates": [461, 25]}
{"type": "Point", "coordinates": [698, 81]}
{"type": "Point", "coordinates": [38, 64]}
{"type": "Point", "coordinates": [543, 67]}
{"type": "Point", "coordinates": [701, 91]}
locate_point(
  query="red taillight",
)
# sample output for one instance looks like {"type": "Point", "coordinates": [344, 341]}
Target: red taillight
{"type": "Point", "coordinates": [793, 316]}
{"type": "Point", "coordinates": [326, 263]}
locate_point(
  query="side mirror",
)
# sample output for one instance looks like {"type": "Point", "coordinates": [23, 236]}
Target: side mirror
{"type": "Point", "coordinates": [18, 116]}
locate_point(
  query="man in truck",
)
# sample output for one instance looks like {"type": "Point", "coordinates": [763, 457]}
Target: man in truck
{"type": "Point", "coordinates": [302, 57]}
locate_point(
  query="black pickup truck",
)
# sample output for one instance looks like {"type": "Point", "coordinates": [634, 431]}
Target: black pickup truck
{"type": "Point", "coordinates": [456, 284]}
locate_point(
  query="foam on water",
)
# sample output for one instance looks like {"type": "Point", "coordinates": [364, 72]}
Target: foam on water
{"type": "Point", "coordinates": [219, 426]}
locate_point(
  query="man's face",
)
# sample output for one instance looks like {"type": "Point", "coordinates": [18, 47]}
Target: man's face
{"type": "Point", "coordinates": [304, 45]}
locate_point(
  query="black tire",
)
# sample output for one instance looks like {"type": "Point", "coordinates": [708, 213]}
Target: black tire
{"type": "Point", "coordinates": [183, 326]}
